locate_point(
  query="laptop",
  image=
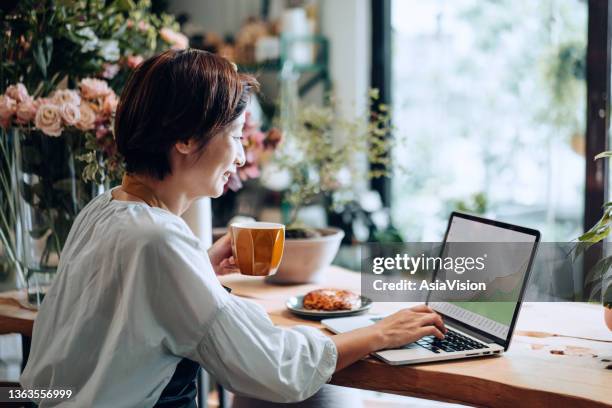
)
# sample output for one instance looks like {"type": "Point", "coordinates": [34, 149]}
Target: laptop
{"type": "Point", "coordinates": [475, 329]}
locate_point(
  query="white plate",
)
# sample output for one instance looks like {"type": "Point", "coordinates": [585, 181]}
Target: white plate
{"type": "Point", "coordinates": [295, 305]}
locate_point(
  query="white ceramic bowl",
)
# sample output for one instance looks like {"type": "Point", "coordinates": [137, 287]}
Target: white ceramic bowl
{"type": "Point", "coordinates": [305, 260]}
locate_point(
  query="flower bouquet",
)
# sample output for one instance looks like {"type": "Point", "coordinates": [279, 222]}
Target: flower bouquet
{"type": "Point", "coordinates": [57, 145]}
{"type": "Point", "coordinates": [63, 151]}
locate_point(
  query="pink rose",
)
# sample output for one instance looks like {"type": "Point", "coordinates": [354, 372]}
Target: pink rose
{"type": "Point", "coordinates": [62, 96]}
{"type": "Point", "coordinates": [143, 26]}
{"type": "Point", "coordinates": [8, 106]}
{"type": "Point", "coordinates": [87, 117]}
{"type": "Point", "coordinates": [70, 113]}
{"type": "Point", "coordinates": [101, 131]}
{"type": "Point", "coordinates": [133, 61]}
{"type": "Point", "coordinates": [18, 92]}
{"type": "Point", "coordinates": [109, 106]}
{"type": "Point", "coordinates": [26, 112]}
{"type": "Point", "coordinates": [176, 40]}
{"type": "Point", "coordinates": [49, 120]}
{"type": "Point", "coordinates": [92, 88]}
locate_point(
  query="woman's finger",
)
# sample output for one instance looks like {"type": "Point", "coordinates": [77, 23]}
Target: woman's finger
{"type": "Point", "coordinates": [421, 309]}
{"type": "Point", "coordinates": [430, 331]}
{"type": "Point", "coordinates": [435, 319]}
{"type": "Point", "coordinates": [228, 270]}
{"type": "Point", "coordinates": [228, 263]}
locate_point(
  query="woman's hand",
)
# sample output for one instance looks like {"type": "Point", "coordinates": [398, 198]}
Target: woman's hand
{"type": "Point", "coordinates": [220, 254]}
{"type": "Point", "coordinates": [403, 327]}
{"type": "Point", "coordinates": [409, 325]}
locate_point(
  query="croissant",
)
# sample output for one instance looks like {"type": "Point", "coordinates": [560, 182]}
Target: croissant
{"type": "Point", "coordinates": [331, 299]}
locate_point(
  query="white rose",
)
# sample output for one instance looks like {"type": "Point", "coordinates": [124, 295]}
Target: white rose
{"type": "Point", "coordinates": [87, 117]}
{"type": "Point", "coordinates": [49, 120]}
{"type": "Point", "coordinates": [70, 114]}
{"type": "Point", "coordinates": [62, 96]}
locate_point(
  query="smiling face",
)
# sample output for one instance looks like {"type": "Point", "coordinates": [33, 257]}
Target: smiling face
{"type": "Point", "coordinates": [206, 172]}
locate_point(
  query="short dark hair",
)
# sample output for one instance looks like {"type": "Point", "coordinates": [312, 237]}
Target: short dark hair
{"type": "Point", "coordinates": [172, 97]}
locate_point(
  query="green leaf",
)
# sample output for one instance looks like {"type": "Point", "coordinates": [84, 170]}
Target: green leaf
{"type": "Point", "coordinates": [599, 270]}
{"type": "Point", "coordinates": [603, 155]}
{"type": "Point", "coordinates": [124, 5]}
{"type": "Point", "coordinates": [39, 58]}
{"type": "Point", "coordinates": [606, 296]}
{"type": "Point", "coordinates": [49, 48]}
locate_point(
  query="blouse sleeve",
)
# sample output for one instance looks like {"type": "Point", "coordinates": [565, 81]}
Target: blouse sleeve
{"type": "Point", "coordinates": [233, 339]}
{"type": "Point", "coordinates": [247, 354]}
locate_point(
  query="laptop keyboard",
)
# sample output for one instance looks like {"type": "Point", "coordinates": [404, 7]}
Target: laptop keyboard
{"type": "Point", "coordinates": [453, 341]}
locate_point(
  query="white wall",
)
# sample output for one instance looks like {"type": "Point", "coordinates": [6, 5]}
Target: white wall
{"type": "Point", "coordinates": [347, 25]}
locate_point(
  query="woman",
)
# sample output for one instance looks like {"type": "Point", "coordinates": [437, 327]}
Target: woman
{"type": "Point", "coordinates": [136, 306]}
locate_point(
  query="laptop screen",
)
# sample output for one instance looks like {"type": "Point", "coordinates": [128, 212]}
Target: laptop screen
{"type": "Point", "coordinates": [509, 252]}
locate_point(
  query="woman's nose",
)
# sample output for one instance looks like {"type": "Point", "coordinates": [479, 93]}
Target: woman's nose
{"type": "Point", "coordinates": [240, 157]}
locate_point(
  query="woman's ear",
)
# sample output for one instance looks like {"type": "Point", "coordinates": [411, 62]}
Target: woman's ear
{"type": "Point", "coordinates": [187, 147]}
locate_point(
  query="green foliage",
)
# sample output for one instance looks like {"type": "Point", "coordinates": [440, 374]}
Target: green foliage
{"type": "Point", "coordinates": [320, 146]}
{"type": "Point", "coordinates": [47, 45]}
{"type": "Point", "coordinates": [600, 276]}
{"type": "Point", "coordinates": [564, 72]}
{"type": "Point", "coordinates": [46, 42]}
{"type": "Point", "coordinates": [388, 235]}
{"type": "Point", "coordinates": [476, 204]}
{"type": "Point", "coordinates": [103, 165]}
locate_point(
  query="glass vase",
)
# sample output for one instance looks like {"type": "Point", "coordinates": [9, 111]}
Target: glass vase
{"type": "Point", "coordinates": [51, 192]}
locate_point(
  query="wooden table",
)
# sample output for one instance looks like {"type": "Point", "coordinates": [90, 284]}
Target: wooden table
{"type": "Point", "coordinates": [541, 368]}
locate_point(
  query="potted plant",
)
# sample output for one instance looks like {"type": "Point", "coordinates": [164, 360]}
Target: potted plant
{"type": "Point", "coordinates": [601, 273]}
{"type": "Point", "coordinates": [321, 154]}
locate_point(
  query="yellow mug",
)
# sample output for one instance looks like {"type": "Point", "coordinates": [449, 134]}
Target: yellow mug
{"type": "Point", "coordinates": [257, 247]}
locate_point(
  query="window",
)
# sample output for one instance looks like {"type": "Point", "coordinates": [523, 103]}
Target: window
{"type": "Point", "coordinates": [491, 99]}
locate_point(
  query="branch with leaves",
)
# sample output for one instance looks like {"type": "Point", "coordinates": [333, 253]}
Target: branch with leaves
{"type": "Point", "coordinates": [320, 149]}
{"type": "Point", "coordinates": [600, 276]}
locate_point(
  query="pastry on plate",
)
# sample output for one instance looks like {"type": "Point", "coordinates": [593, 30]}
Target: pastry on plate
{"type": "Point", "coordinates": [331, 299]}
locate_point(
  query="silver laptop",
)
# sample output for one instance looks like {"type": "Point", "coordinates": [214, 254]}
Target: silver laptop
{"type": "Point", "coordinates": [474, 328]}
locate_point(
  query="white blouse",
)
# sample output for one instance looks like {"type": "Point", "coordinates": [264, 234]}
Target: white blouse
{"type": "Point", "coordinates": [134, 294]}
